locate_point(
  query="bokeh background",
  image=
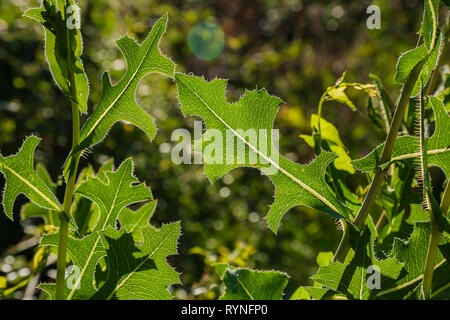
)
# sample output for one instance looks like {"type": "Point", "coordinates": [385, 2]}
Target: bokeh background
{"type": "Point", "coordinates": [294, 48]}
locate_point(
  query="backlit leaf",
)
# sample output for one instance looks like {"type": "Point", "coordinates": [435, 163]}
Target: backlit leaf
{"type": "Point", "coordinates": [255, 113]}
{"type": "Point", "coordinates": [21, 178]}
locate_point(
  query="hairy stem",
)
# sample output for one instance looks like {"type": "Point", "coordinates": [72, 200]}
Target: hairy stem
{"type": "Point", "coordinates": [375, 186]}
{"type": "Point", "coordinates": [70, 183]}
{"type": "Point", "coordinates": [433, 245]}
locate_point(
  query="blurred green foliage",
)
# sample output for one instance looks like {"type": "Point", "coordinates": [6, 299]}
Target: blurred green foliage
{"type": "Point", "coordinates": [294, 48]}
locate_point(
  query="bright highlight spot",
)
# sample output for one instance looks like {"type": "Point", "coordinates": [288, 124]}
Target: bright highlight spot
{"type": "Point", "coordinates": [206, 40]}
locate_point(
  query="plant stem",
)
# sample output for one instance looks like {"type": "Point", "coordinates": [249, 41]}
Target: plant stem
{"type": "Point", "coordinates": [375, 186]}
{"type": "Point", "coordinates": [70, 182]}
{"type": "Point", "coordinates": [67, 205]}
{"type": "Point", "coordinates": [433, 245]}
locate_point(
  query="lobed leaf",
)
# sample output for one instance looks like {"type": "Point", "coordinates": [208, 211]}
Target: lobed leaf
{"type": "Point", "coordinates": [59, 40]}
{"type": "Point", "coordinates": [412, 253]}
{"type": "Point", "coordinates": [117, 102]}
{"type": "Point", "coordinates": [21, 178]}
{"type": "Point", "coordinates": [136, 269]}
{"type": "Point", "coordinates": [295, 184]}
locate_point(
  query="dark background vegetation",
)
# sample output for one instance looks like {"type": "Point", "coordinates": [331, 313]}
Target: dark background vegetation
{"type": "Point", "coordinates": [294, 48]}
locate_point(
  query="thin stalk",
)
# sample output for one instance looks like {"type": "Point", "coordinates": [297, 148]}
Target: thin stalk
{"type": "Point", "coordinates": [375, 186]}
{"type": "Point", "coordinates": [380, 221]}
{"type": "Point", "coordinates": [433, 245]}
{"type": "Point", "coordinates": [70, 185]}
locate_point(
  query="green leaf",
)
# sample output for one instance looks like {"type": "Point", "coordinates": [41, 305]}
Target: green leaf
{"type": "Point", "coordinates": [246, 284]}
{"type": "Point", "coordinates": [295, 184]}
{"type": "Point", "coordinates": [136, 269]}
{"type": "Point", "coordinates": [84, 211]}
{"type": "Point", "coordinates": [111, 192]}
{"type": "Point", "coordinates": [324, 258]}
{"type": "Point", "coordinates": [55, 19]}
{"type": "Point", "coordinates": [412, 58]}
{"type": "Point", "coordinates": [112, 196]}
{"type": "Point", "coordinates": [412, 253]}
{"type": "Point", "coordinates": [352, 279]}
{"type": "Point", "coordinates": [338, 94]}
{"type": "Point", "coordinates": [21, 178]}
{"type": "Point", "coordinates": [388, 104]}
{"type": "Point", "coordinates": [31, 210]}
{"type": "Point", "coordinates": [117, 102]}
{"type": "Point", "coordinates": [407, 147]}
{"type": "Point", "coordinates": [330, 135]}
{"type": "Point", "coordinates": [139, 271]}
{"type": "Point", "coordinates": [430, 23]}
{"type": "Point", "coordinates": [84, 254]}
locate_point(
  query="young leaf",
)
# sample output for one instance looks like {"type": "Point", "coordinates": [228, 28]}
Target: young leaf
{"type": "Point", "coordinates": [246, 284]}
{"type": "Point", "coordinates": [337, 92]}
{"type": "Point", "coordinates": [117, 102]}
{"type": "Point", "coordinates": [410, 59]}
{"type": "Point", "coordinates": [21, 178]}
{"type": "Point", "coordinates": [330, 135]}
{"type": "Point", "coordinates": [255, 113]}
{"type": "Point", "coordinates": [139, 271]}
{"type": "Point", "coordinates": [62, 35]}
{"type": "Point", "coordinates": [407, 147]}
{"type": "Point", "coordinates": [119, 191]}
{"type": "Point", "coordinates": [352, 279]}
{"type": "Point", "coordinates": [300, 294]}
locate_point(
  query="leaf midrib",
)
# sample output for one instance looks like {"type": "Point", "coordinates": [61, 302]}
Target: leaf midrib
{"type": "Point", "coordinates": [53, 204]}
